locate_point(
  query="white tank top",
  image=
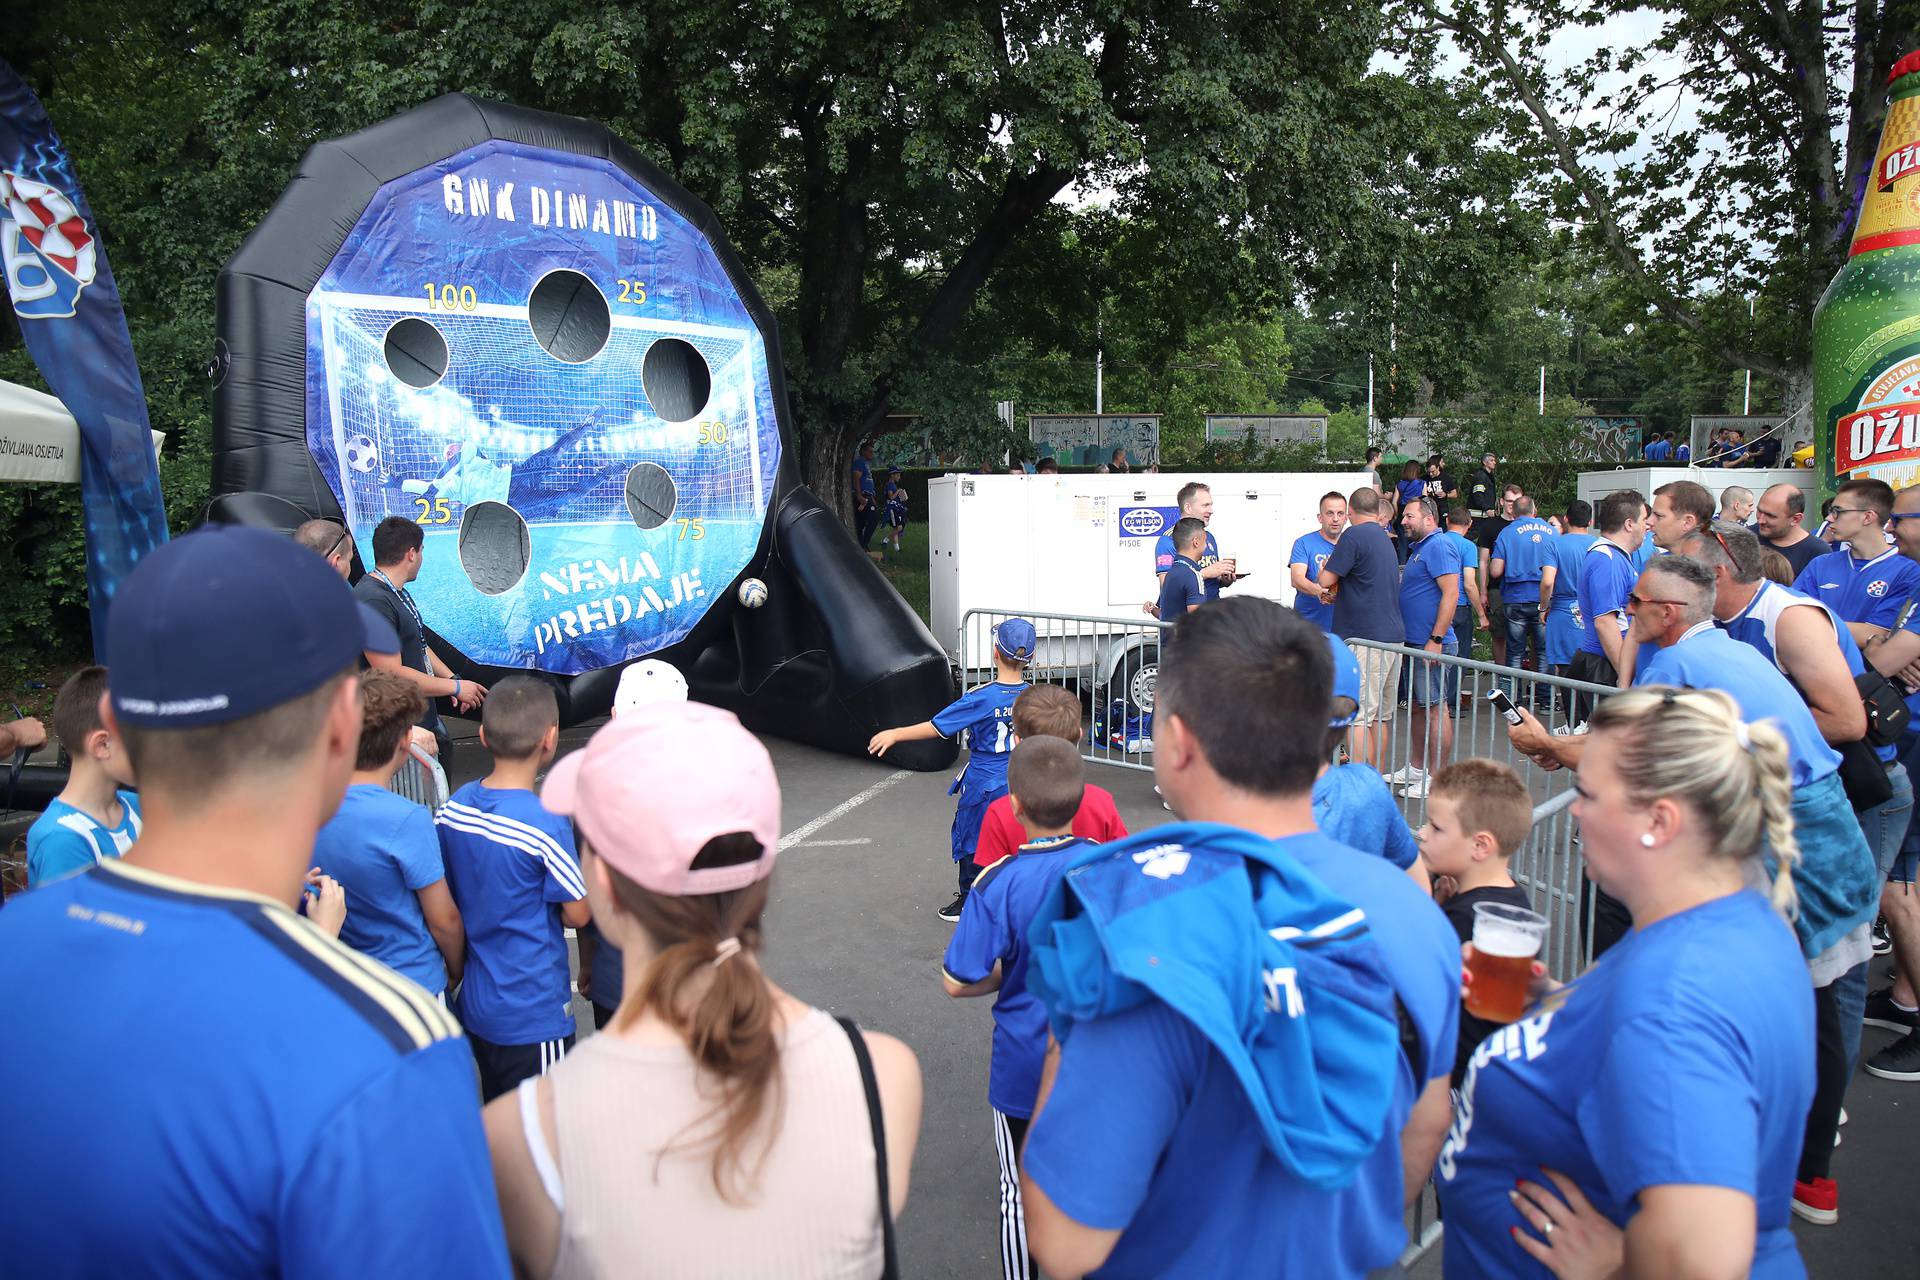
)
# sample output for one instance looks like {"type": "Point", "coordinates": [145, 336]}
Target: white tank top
{"type": "Point", "coordinates": [813, 1211]}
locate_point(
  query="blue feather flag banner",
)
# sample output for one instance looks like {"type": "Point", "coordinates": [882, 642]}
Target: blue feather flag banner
{"type": "Point", "coordinates": [71, 320]}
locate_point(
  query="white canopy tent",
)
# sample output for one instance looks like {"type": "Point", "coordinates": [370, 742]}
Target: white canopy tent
{"type": "Point", "coordinates": [39, 440]}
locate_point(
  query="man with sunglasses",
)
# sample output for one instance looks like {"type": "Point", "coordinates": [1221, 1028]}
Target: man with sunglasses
{"type": "Point", "coordinates": [329, 540]}
{"type": "Point", "coordinates": [1863, 580]}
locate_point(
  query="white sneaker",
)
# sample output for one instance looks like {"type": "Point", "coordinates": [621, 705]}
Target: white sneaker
{"type": "Point", "coordinates": [1569, 730]}
{"type": "Point", "coordinates": [1415, 790]}
{"type": "Point", "coordinates": [1406, 773]}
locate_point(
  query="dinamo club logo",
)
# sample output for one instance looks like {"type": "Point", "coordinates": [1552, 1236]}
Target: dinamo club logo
{"type": "Point", "coordinates": [48, 249]}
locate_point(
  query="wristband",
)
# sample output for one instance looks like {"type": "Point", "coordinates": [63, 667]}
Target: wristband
{"type": "Point", "coordinates": [456, 686]}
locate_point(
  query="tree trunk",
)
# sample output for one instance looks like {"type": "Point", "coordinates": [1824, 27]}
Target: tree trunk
{"type": "Point", "coordinates": [826, 465]}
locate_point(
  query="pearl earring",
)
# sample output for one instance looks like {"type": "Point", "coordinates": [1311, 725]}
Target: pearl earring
{"type": "Point", "coordinates": [1646, 839]}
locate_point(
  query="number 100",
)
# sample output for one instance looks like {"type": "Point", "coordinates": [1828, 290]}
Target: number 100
{"type": "Point", "coordinates": [448, 297]}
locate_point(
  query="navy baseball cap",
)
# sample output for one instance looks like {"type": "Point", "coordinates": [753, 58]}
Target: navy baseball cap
{"type": "Point", "coordinates": [1015, 639]}
{"type": "Point", "coordinates": [1346, 680]}
{"type": "Point", "coordinates": [227, 622]}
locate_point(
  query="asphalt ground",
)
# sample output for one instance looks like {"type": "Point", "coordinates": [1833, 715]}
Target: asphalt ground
{"type": "Point", "coordinates": [852, 929]}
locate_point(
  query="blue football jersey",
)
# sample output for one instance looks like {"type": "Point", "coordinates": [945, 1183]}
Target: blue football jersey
{"type": "Point", "coordinates": [1311, 550]}
{"type": "Point", "coordinates": [985, 715]}
{"type": "Point", "coordinates": [1871, 591]}
{"type": "Point", "coordinates": [511, 865]}
{"type": "Point", "coordinates": [213, 1088]}
{"type": "Point", "coordinates": [63, 839]}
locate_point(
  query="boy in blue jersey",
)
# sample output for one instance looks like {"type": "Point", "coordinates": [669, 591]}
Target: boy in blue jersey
{"type": "Point", "coordinates": [985, 715]}
{"type": "Point", "coordinates": [1309, 556]}
{"type": "Point", "coordinates": [989, 953]}
{"type": "Point", "coordinates": [1862, 579]}
{"type": "Point", "coordinates": [516, 879]}
{"type": "Point", "coordinates": [1351, 802]}
{"type": "Point", "coordinates": [96, 815]}
{"type": "Point", "coordinates": [1151, 1151]}
{"type": "Point", "coordinates": [1182, 589]}
{"type": "Point", "coordinates": [220, 1090]}
{"type": "Point", "coordinates": [382, 849]}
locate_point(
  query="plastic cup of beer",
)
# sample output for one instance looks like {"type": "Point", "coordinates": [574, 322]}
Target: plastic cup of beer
{"type": "Point", "coordinates": [1505, 941]}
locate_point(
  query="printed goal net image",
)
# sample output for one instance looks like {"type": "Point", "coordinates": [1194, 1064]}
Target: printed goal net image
{"type": "Point", "coordinates": [638, 508]}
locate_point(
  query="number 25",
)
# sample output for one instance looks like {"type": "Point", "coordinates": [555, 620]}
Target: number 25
{"type": "Point", "coordinates": [436, 512]}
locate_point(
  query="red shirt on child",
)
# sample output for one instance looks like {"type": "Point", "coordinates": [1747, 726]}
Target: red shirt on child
{"type": "Point", "coordinates": [1000, 833]}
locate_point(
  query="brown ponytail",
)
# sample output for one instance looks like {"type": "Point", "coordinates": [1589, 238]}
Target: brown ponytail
{"type": "Point", "coordinates": [724, 1011]}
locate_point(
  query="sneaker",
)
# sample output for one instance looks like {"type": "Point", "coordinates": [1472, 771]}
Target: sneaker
{"type": "Point", "coordinates": [1883, 1012]}
{"type": "Point", "coordinates": [1843, 1115]}
{"type": "Point", "coordinates": [1415, 790]}
{"type": "Point", "coordinates": [1570, 730]}
{"type": "Point", "coordinates": [1899, 1060]}
{"type": "Point", "coordinates": [1817, 1201]}
{"type": "Point", "coordinates": [1405, 774]}
{"type": "Point", "coordinates": [951, 912]}
{"type": "Point", "coordinates": [1882, 941]}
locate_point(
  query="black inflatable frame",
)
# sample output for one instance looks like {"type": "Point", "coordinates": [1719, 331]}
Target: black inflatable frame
{"type": "Point", "coordinates": [834, 654]}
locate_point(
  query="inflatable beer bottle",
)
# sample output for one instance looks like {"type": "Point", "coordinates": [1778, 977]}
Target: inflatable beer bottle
{"type": "Point", "coordinates": [1866, 330]}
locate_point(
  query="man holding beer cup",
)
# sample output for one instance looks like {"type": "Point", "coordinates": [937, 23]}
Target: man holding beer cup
{"type": "Point", "coordinates": [1642, 1119]}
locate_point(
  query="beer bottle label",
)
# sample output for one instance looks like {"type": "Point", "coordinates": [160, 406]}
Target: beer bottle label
{"type": "Point", "coordinates": [1890, 215]}
{"type": "Point", "coordinates": [1878, 424]}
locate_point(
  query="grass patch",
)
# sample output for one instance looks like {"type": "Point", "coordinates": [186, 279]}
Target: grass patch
{"type": "Point", "coordinates": [908, 569]}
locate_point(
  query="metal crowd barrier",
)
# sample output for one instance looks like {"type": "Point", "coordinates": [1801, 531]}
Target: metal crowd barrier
{"type": "Point", "coordinates": [420, 779]}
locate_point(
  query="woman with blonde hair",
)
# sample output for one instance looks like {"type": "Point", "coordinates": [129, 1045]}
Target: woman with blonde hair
{"type": "Point", "coordinates": [1664, 1093]}
{"type": "Point", "coordinates": [717, 1126]}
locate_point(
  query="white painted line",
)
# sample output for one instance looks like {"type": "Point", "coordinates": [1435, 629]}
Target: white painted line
{"type": "Point", "coordinates": [840, 810]}
{"type": "Point", "coordinates": [831, 844]}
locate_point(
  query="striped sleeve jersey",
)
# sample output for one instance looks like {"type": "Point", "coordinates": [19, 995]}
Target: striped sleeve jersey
{"type": "Point", "coordinates": [214, 1088]}
{"type": "Point", "coordinates": [511, 865]}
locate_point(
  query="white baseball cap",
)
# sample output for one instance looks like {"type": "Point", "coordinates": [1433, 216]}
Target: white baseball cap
{"type": "Point", "coordinates": [647, 683]}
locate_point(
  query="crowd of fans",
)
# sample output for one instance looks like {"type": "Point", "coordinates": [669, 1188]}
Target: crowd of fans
{"type": "Point", "coordinates": [306, 1026]}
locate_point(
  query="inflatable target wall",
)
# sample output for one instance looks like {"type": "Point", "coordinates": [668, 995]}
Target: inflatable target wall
{"type": "Point", "coordinates": [511, 328]}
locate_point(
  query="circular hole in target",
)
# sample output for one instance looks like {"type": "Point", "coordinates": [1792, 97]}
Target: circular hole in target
{"type": "Point", "coordinates": [416, 352]}
{"type": "Point", "coordinates": [676, 379]}
{"type": "Point", "coordinates": [569, 316]}
{"type": "Point", "coordinates": [651, 495]}
{"type": "Point", "coordinates": [495, 547]}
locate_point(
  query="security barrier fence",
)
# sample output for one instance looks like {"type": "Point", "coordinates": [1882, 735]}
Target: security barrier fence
{"type": "Point", "coordinates": [420, 779]}
{"type": "Point", "coordinates": [1113, 662]}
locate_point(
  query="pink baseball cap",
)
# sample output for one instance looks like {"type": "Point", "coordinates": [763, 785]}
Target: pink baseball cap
{"type": "Point", "coordinates": [653, 786]}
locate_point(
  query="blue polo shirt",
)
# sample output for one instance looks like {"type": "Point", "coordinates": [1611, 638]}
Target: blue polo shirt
{"type": "Point", "coordinates": [1469, 559]}
{"type": "Point", "coordinates": [1148, 1131]}
{"type": "Point", "coordinates": [1684, 1056]}
{"type": "Point", "coordinates": [1526, 547]}
{"type": "Point", "coordinates": [64, 839]}
{"type": "Point", "coordinates": [511, 865]}
{"type": "Point", "coordinates": [1607, 575]}
{"type": "Point", "coordinates": [214, 1088]}
{"type": "Point", "coordinates": [382, 849]}
{"type": "Point", "coordinates": [985, 715]}
{"type": "Point", "coordinates": [1431, 558]}
{"type": "Point", "coordinates": [1708, 658]}
{"type": "Point", "coordinates": [1181, 587]}
{"type": "Point", "coordinates": [1164, 556]}
{"type": "Point", "coordinates": [1312, 550]}
{"type": "Point", "coordinates": [993, 930]}
{"type": "Point", "coordinates": [1870, 591]}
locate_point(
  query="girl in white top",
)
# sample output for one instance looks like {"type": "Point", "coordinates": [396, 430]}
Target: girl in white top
{"type": "Point", "coordinates": [718, 1126]}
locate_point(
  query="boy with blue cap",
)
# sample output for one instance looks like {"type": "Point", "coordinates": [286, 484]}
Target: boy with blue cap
{"type": "Point", "coordinates": [1351, 802]}
{"type": "Point", "coordinates": [220, 1089]}
{"type": "Point", "coordinates": [985, 715]}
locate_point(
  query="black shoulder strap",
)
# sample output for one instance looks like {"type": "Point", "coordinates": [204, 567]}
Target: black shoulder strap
{"type": "Point", "coordinates": [891, 1269]}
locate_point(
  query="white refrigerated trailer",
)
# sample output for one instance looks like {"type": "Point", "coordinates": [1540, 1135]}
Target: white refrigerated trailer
{"type": "Point", "coordinates": [1081, 547]}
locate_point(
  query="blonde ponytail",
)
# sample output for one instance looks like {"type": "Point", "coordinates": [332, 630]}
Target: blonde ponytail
{"type": "Point", "coordinates": [1691, 745]}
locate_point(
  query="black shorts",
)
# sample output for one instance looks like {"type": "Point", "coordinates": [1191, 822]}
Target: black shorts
{"type": "Point", "coordinates": [504, 1066]}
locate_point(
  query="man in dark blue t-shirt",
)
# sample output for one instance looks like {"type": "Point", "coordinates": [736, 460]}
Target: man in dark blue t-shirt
{"type": "Point", "coordinates": [1361, 579]}
{"type": "Point", "coordinates": [1182, 589]}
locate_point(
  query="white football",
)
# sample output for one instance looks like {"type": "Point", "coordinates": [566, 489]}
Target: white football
{"type": "Point", "coordinates": [362, 453]}
{"type": "Point", "coordinates": [753, 593]}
